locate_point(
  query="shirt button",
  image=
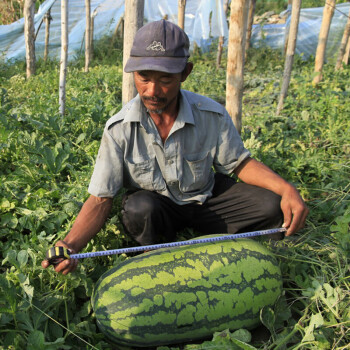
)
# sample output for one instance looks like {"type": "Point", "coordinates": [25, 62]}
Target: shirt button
{"type": "Point", "coordinates": [171, 162]}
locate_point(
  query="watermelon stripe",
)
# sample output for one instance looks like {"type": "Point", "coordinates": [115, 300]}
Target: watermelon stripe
{"type": "Point", "coordinates": [187, 295]}
{"type": "Point", "coordinates": [151, 271]}
{"type": "Point", "coordinates": [138, 337]}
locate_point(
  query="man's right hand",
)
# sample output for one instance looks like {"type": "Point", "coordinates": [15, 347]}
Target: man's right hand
{"type": "Point", "coordinates": [66, 265]}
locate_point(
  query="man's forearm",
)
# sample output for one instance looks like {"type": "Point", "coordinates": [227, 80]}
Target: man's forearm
{"type": "Point", "coordinates": [89, 222]}
{"type": "Point", "coordinates": [255, 173]}
{"type": "Point", "coordinates": [292, 205]}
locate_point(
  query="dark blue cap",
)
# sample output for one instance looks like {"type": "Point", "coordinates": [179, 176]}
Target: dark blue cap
{"type": "Point", "coordinates": [160, 46]}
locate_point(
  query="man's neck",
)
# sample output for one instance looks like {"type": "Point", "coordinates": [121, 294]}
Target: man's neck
{"type": "Point", "coordinates": [165, 119]}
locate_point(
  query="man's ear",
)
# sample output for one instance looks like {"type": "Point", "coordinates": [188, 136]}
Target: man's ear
{"type": "Point", "coordinates": [187, 71]}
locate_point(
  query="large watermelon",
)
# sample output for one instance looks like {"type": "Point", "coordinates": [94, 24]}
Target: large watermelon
{"type": "Point", "coordinates": [186, 293]}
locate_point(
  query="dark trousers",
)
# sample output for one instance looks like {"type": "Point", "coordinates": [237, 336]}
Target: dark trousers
{"type": "Point", "coordinates": [150, 218]}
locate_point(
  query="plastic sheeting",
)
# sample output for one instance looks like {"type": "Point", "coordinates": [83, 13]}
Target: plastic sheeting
{"type": "Point", "coordinates": [273, 35]}
{"type": "Point", "coordinates": [204, 19]}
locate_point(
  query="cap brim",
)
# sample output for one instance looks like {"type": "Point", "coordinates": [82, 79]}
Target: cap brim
{"type": "Point", "coordinates": [159, 64]}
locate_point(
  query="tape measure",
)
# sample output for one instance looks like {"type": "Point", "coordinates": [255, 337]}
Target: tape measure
{"type": "Point", "coordinates": [57, 254]}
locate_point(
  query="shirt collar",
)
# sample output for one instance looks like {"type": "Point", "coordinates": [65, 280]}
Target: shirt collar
{"type": "Point", "coordinates": [185, 111]}
{"type": "Point", "coordinates": [136, 111]}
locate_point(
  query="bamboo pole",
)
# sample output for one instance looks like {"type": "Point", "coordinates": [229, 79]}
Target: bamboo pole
{"type": "Point", "coordinates": [322, 39]}
{"type": "Point", "coordinates": [290, 3]}
{"type": "Point", "coordinates": [221, 40]}
{"type": "Point", "coordinates": [48, 19]}
{"type": "Point", "coordinates": [235, 60]}
{"type": "Point", "coordinates": [116, 30]}
{"type": "Point", "coordinates": [94, 14]}
{"type": "Point", "coordinates": [122, 27]}
{"type": "Point", "coordinates": [288, 63]}
{"type": "Point", "coordinates": [87, 35]}
{"type": "Point", "coordinates": [133, 20]}
{"type": "Point", "coordinates": [343, 45]}
{"type": "Point", "coordinates": [64, 56]}
{"type": "Point", "coordinates": [347, 53]}
{"type": "Point", "coordinates": [181, 13]}
{"type": "Point", "coordinates": [250, 25]}
{"type": "Point", "coordinates": [29, 36]}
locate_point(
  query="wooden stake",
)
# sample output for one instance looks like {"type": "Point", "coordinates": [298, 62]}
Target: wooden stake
{"type": "Point", "coordinates": [250, 25]}
{"type": "Point", "coordinates": [343, 45]}
{"type": "Point", "coordinates": [116, 29]}
{"type": "Point", "coordinates": [235, 60]}
{"type": "Point", "coordinates": [322, 39]}
{"type": "Point", "coordinates": [221, 40]}
{"type": "Point", "coordinates": [64, 56]}
{"type": "Point", "coordinates": [48, 19]}
{"type": "Point", "coordinates": [29, 36]}
{"type": "Point", "coordinates": [87, 35]}
{"type": "Point", "coordinates": [290, 2]}
{"type": "Point", "coordinates": [288, 63]}
{"type": "Point", "coordinates": [134, 10]}
{"type": "Point", "coordinates": [347, 53]}
{"type": "Point", "coordinates": [94, 14]}
{"type": "Point", "coordinates": [181, 13]}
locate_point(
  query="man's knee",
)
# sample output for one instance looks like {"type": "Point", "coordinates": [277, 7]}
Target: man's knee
{"type": "Point", "coordinates": [139, 205]}
{"type": "Point", "coordinates": [270, 206]}
{"type": "Point", "coordinates": [146, 217]}
{"type": "Point", "coordinates": [271, 213]}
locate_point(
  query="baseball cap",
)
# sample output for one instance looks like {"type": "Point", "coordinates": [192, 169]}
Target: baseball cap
{"type": "Point", "coordinates": [160, 46]}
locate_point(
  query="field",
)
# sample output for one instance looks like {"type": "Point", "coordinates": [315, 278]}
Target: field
{"type": "Point", "coordinates": [46, 162]}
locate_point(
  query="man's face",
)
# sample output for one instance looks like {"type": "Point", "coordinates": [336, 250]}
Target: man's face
{"type": "Point", "coordinates": [158, 90]}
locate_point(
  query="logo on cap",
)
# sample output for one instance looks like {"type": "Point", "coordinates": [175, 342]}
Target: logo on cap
{"type": "Point", "coordinates": [156, 46]}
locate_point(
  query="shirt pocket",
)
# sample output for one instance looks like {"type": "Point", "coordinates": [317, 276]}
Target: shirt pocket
{"type": "Point", "coordinates": [145, 174]}
{"type": "Point", "coordinates": [196, 172]}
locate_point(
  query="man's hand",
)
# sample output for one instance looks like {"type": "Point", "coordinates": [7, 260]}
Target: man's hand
{"type": "Point", "coordinates": [66, 265]}
{"type": "Point", "coordinates": [88, 223]}
{"type": "Point", "coordinates": [294, 210]}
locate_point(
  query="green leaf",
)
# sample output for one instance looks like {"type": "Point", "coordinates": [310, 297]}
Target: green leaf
{"type": "Point", "coordinates": [241, 345]}
{"type": "Point", "coordinates": [80, 138]}
{"type": "Point", "coordinates": [316, 321]}
{"type": "Point", "coordinates": [48, 158]}
{"type": "Point", "coordinates": [9, 220]}
{"type": "Point", "coordinates": [242, 335]}
{"type": "Point", "coordinates": [11, 257]}
{"type": "Point", "coordinates": [22, 258]}
{"type": "Point", "coordinates": [267, 317]}
{"type": "Point", "coordinates": [29, 290]}
{"type": "Point", "coordinates": [56, 330]}
{"type": "Point", "coordinates": [36, 341]}
{"type": "Point", "coordinates": [60, 159]}
{"type": "Point", "coordinates": [6, 205]}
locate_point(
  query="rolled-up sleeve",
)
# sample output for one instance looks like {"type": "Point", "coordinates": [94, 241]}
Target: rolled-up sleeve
{"type": "Point", "coordinates": [230, 149]}
{"type": "Point", "coordinates": [107, 177]}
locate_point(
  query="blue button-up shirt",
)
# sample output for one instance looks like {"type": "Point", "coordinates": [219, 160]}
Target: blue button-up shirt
{"type": "Point", "coordinates": [202, 140]}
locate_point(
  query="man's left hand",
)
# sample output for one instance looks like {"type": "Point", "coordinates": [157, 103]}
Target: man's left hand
{"type": "Point", "coordinates": [294, 210]}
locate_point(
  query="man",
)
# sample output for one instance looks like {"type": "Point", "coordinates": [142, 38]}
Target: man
{"type": "Point", "coordinates": [163, 146]}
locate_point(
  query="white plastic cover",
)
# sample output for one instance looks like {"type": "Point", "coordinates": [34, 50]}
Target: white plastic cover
{"type": "Point", "coordinates": [203, 19]}
{"type": "Point", "coordinates": [273, 35]}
